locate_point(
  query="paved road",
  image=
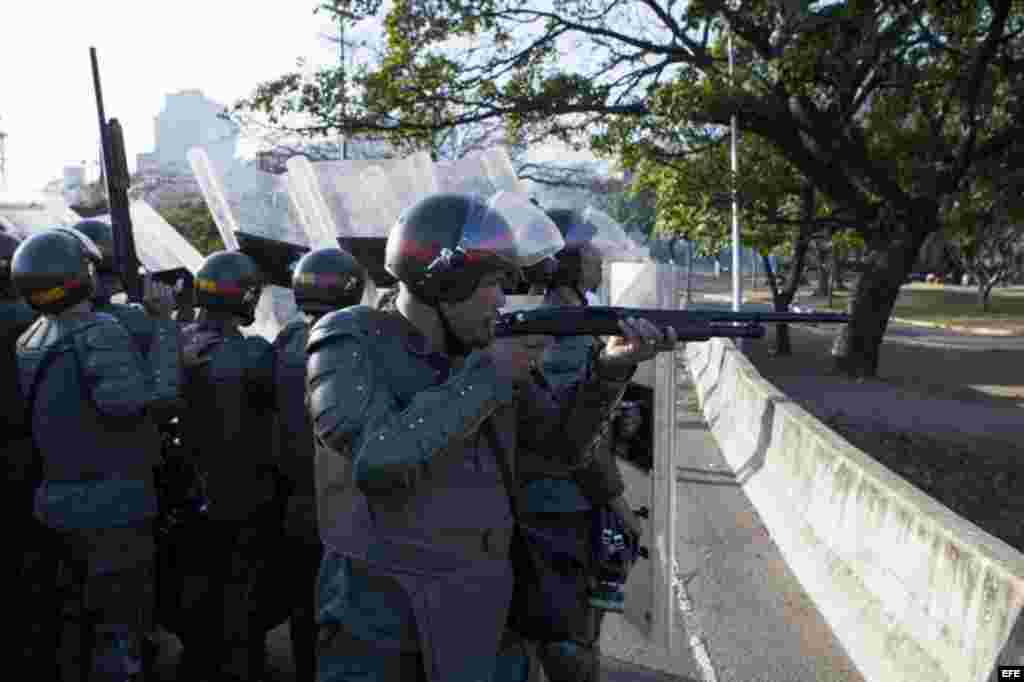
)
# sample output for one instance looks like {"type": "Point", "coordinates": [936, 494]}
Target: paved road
{"type": "Point", "coordinates": [758, 623]}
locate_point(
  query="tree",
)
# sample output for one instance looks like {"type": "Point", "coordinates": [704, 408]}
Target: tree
{"type": "Point", "coordinates": [195, 223]}
{"type": "Point", "coordinates": [986, 226]}
{"type": "Point", "coordinates": [882, 105]}
{"type": "Point", "coordinates": [778, 210]}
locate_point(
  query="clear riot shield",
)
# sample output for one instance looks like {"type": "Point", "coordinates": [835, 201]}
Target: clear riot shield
{"type": "Point", "coordinates": [153, 253]}
{"type": "Point", "coordinates": [500, 171]}
{"type": "Point", "coordinates": [467, 175]}
{"type": "Point", "coordinates": [158, 241]}
{"type": "Point", "coordinates": [363, 198]}
{"type": "Point", "coordinates": [650, 628]}
{"type": "Point", "coordinates": [248, 199]}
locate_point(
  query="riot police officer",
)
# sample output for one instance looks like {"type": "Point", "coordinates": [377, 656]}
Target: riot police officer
{"type": "Point", "coordinates": [139, 321]}
{"type": "Point", "coordinates": [323, 280]}
{"type": "Point", "coordinates": [15, 318]}
{"type": "Point", "coordinates": [554, 501]}
{"type": "Point", "coordinates": [417, 416]}
{"type": "Point", "coordinates": [93, 410]}
{"type": "Point", "coordinates": [20, 474]}
{"type": "Point", "coordinates": [228, 426]}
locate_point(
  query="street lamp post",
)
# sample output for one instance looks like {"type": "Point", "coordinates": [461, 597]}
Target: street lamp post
{"type": "Point", "coordinates": [737, 285]}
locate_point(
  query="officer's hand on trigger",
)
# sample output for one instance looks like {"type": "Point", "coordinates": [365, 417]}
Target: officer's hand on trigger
{"type": "Point", "coordinates": [157, 298]}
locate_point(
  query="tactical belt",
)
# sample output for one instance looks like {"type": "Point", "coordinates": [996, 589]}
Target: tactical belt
{"type": "Point", "coordinates": [492, 543]}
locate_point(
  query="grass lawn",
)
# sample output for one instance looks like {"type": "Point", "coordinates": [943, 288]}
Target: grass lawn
{"type": "Point", "coordinates": [977, 476]}
{"type": "Point", "coordinates": [942, 305]}
{"type": "Point", "coordinates": [955, 306]}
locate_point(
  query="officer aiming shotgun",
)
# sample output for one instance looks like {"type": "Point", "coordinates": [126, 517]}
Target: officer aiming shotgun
{"type": "Point", "coordinates": [691, 325]}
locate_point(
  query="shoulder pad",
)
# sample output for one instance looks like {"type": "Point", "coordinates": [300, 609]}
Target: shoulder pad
{"type": "Point", "coordinates": [131, 316]}
{"type": "Point", "coordinates": [112, 368]}
{"type": "Point", "coordinates": [287, 332]}
{"type": "Point", "coordinates": [339, 377]}
{"type": "Point", "coordinates": [357, 320]}
{"type": "Point", "coordinates": [256, 348]}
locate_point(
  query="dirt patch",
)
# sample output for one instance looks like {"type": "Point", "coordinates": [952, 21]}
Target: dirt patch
{"type": "Point", "coordinates": [961, 395]}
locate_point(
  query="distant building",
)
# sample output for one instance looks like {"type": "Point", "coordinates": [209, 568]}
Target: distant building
{"type": "Point", "coordinates": [189, 119]}
{"type": "Point", "coordinates": [74, 183]}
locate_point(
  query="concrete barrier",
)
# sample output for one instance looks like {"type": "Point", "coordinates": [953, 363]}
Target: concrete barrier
{"type": "Point", "coordinates": [912, 591]}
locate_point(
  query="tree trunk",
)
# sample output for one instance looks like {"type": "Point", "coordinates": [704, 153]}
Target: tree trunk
{"type": "Point", "coordinates": [823, 272]}
{"type": "Point", "coordinates": [856, 347]}
{"type": "Point", "coordinates": [782, 298]}
{"type": "Point", "coordinates": [838, 270]}
{"type": "Point", "coordinates": [985, 292]}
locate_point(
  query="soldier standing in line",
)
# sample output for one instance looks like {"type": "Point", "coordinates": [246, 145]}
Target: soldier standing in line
{"type": "Point", "coordinates": [93, 409]}
{"type": "Point", "coordinates": [140, 322]}
{"type": "Point", "coordinates": [228, 425]}
{"type": "Point", "coordinates": [418, 415]}
{"type": "Point", "coordinates": [15, 317]}
{"type": "Point", "coordinates": [555, 502]}
{"type": "Point", "coordinates": [323, 281]}
{"type": "Point", "coordinates": [20, 473]}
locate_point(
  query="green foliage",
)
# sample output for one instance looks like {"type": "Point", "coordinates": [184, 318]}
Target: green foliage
{"type": "Point", "coordinates": [195, 223]}
{"type": "Point", "coordinates": [889, 108]}
{"type": "Point", "coordinates": [635, 211]}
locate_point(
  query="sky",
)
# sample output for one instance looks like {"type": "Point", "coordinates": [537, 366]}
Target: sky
{"type": "Point", "coordinates": [145, 50]}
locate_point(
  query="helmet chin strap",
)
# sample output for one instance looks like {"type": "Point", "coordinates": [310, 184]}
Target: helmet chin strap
{"type": "Point", "coordinates": [454, 345]}
{"type": "Point", "coordinates": [106, 286]}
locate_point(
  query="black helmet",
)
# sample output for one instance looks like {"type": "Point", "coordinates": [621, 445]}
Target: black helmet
{"type": "Point", "coordinates": [102, 235]}
{"type": "Point", "coordinates": [229, 281]}
{"type": "Point", "coordinates": [570, 261]}
{"type": "Point", "coordinates": [56, 269]}
{"type": "Point", "coordinates": [328, 279]}
{"type": "Point", "coordinates": [8, 245]}
{"type": "Point", "coordinates": [444, 244]}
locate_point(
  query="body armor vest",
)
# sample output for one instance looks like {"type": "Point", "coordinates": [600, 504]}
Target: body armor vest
{"type": "Point", "coordinates": [228, 422]}
{"type": "Point", "coordinates": [97, 469]}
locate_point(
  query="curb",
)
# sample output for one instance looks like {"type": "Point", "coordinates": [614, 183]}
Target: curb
{"type": "Point", "coordinates": [974, 331]}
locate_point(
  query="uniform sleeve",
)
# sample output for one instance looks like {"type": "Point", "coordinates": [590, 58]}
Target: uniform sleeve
{"type": "Point", "coordinates": [353, 412]}
{"type": "Point", "coordinates": [569, 421]}
{"type": "Point", "coordinates": [114, 371]}
{"type": "Point", "coordinates": [566, 360]}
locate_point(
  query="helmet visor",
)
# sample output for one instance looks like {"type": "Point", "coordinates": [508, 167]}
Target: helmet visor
{"type": "Point", "coordinates": [514, 230]}
{"type": "Point", "coordinates": [599, 230]}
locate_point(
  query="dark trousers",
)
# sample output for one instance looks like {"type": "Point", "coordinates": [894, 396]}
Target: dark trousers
{"type": "Point", "coordinates": [303, 614]}
{"type": "Point", "coordinates": [85, 625]}
{"type": "Point", "coordinates": [225, 637]}
{"type": "Point", "coordinates": [576, 659]}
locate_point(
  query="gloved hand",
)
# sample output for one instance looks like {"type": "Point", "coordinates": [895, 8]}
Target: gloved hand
{"type": "Point", "coordinates": [628, 418]}
{"type": "Point", "coordinates": [157, 298]}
